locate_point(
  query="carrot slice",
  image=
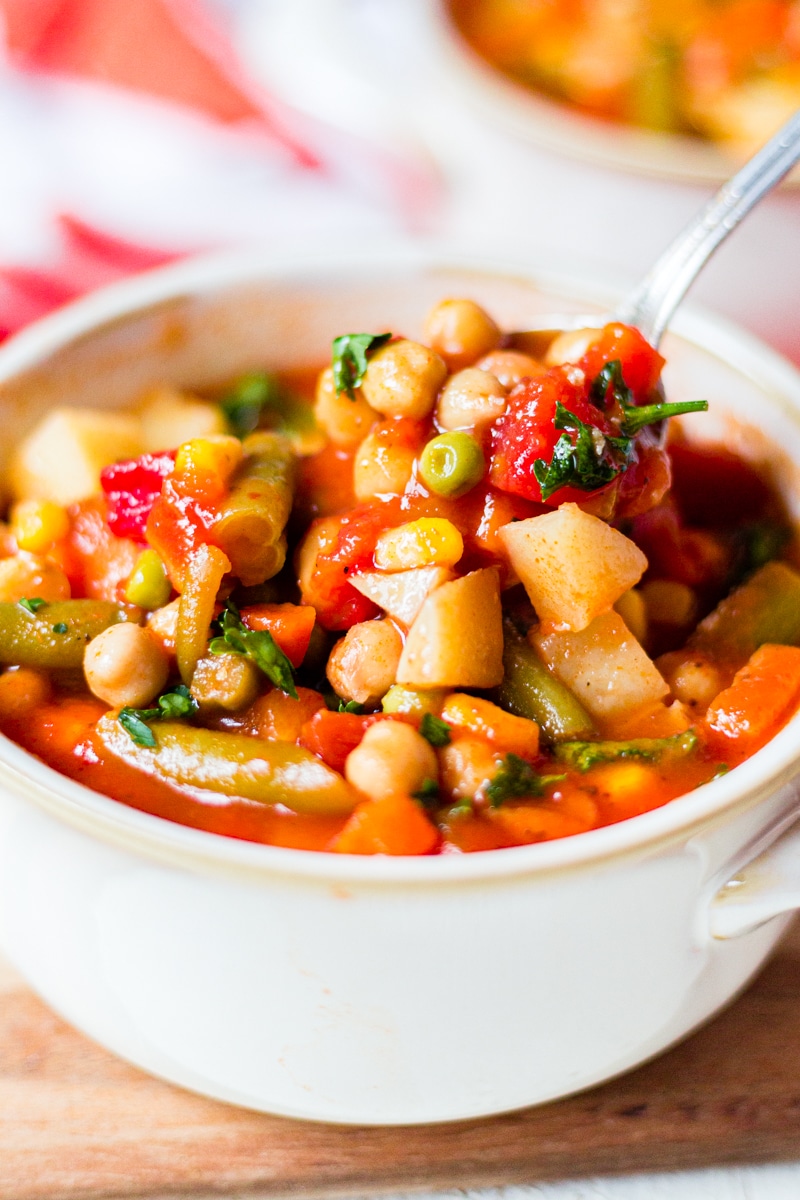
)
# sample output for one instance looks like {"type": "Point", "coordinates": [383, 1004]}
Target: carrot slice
{"type": "Point", "coordinates": [758, 702]}
{"type": "Point", "coordinates": [393, 825]}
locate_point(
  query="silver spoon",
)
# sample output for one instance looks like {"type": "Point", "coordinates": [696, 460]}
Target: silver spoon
{"type": "Point", "coordinates": [650, 306]}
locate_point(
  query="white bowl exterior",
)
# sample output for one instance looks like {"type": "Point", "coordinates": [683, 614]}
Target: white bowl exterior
{"type": "Point", "coordinates": [369, 991]}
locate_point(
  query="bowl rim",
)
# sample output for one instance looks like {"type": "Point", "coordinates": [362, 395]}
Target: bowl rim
{"type": "Point", "coordinates": [563, 129]}
{"type": "Point", "coordinates": [29, 778]}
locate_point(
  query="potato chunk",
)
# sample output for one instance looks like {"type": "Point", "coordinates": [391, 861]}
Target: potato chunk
{"type": "Point", "coordinates": [604, 666]}
{"type": "Point", "coordinates": [457, 639]}
{"type": "Point", "coordinates": [573, 565]}
{"type": "Point", "coordinates": [62, 458]}
{"type": "Point", "coordinates": [401, 594]}
{"type": "Point", "coordinates": [170, 418]}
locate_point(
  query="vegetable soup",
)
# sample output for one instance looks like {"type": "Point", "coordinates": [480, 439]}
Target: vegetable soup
{"type": "Point", "coordinates": [434, 598]}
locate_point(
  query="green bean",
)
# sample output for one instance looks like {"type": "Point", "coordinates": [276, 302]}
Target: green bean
{"type": "Point", "coordinates": [56, 635]}
{"type": "Point", "coordinates": [764, 609]}
{"type": "Point", "coordinates": [451, 464]}
{"type": "Point", "coordinates": [529, 690]}
{"type": "Point", "coordinates": [585, 755]}
{"type": "Point", "coordinates": [232, 764]}
{"type": "Point", "coordinates": [250, 529]}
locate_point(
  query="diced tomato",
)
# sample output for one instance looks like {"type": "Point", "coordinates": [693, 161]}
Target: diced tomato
{"type": "Point", "coordinates": [392, 825]}
{"type": "Point", "coordinates": [289, 624]}
{"type": "Point", "coordinates": [131, 488]}
{"type": "Point", "coordinates": [646, 480]}
{"type": "Point", "coordinates": [96, 561]}
{"type": "Point", "coordinates": [641, 364]}
{"type": "Point", "coordinates": [691, 556]}
{"type": "Point", "coordinates": [332, 735]}
{"type": "Point", "coordinates": [527, 432]}
{"type": "Point", "coordinates": [182, 516]}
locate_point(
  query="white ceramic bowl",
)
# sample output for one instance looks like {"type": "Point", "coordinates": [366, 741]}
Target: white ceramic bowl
{"type": "Point", "coordinates": [369, 989]}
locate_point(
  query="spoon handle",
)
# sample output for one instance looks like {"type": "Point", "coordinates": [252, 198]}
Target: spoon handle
{"type": "Point", "coordinates": [651, 305]}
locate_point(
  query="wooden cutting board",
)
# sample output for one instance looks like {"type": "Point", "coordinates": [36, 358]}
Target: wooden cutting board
{"type": "Point", "coordinates": [77, 1123]}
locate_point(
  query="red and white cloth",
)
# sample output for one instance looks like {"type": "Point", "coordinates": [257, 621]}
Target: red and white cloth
{"type": "Point", "coordinates": [130, 134]}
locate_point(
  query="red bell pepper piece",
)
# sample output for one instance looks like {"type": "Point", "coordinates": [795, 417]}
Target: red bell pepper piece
{"type": "Point", "coordinates": [131, 489]}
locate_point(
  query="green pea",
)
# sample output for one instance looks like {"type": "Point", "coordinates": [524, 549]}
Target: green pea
{"type": "Point", "coordinates": [148, 585]}
{"type": "Point", "coordinates": [451, 464]}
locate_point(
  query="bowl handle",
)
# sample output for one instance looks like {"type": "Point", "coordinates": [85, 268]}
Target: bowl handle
{"type": "Point", "coordinates": [765, 887]}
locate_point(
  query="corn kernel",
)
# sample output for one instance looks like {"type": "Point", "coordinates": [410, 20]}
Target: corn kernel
{"type": "Point", "coordinates": [669, 602]}
{"type": "Point", "coordinates": [38, 524]}
{"type": "Point", "coordinates": [633, 610]}
{"type": "Point", "coordinates": [430, 541]}
{"type": "Point", "coordinates": [148, 584]}
{"type": "Point", "coordinates": [219, 454]}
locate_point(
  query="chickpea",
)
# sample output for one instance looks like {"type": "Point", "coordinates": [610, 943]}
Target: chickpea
{"type": "Point", "coordinates": [382, 468]}
{"type": "Point", "coordinates": [344, 420]}
{"type": "Point", "coordinates": [694, 681]}
{"type": "Point", "coordinates": [470, 398]}
{"type": "Point", "coordinates": [511, 366]}
{"type": "Point", "coordinates": [21, 690]}
{"type": "Point", "coordinates": [461, 331]}
{"type": "Point", "coordinates": [28, 575]}
{"type": "Point", "coordinates": [363, 665]}
{"type": "Point", "coordinates": [402, 379]}
{"type": "Point", "coordinates": [468, 764]}
{"type": "Point", "coordinates": [392, 759]}
{"type": "Point", "coordinates": [125, 665]}
{"type": "Point", "coordinates": [570, 346]}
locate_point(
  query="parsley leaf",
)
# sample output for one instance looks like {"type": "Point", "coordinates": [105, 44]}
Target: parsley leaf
{"type": "Point", "coordinates": [244, 403]}
{"type": "Point", "coordinates": [350, 706]}
{"type": "Point", "coordinates": [258, 646]}
{"type": "Point", "coordinates": [589, 462]}
{"type": "Point", "coordinates": [435, 730]}
{"type": "Point", "coordinates": [650, 414]}
{"type": "Point", "coordinates": [170, 706]}
{"type": "Point", "coordinates": [585, 755]}
{"type": "Point", "coordinates": [350, 354]}
{"type": "Point", "coordinates": [32, 605]}
{"type": "Point", "coordinates": [428, 794]}
{"type": "Point", "coordinates": [610, 376]}
{"type": "Point", "coordinates": [517, 779]}
{"type": "Point", "coordinates": [635, 417]}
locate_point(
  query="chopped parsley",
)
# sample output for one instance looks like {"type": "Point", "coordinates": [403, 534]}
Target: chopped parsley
{"type": "Point", "coordinates": [245, 402]}
{"type": "Point", "coordinates": [428, 794]}
{"type": "Point", "coordinates": [435, 730]}
{"type": "Point", "coordinates": [60, 627]}
{"type": "Point", "coordinates": [32, 605]}
{"type": "Point", "coordinates": [585, 755]}
{"type": "Point", "coordinates": [635, 417]}
{"type": "Point", "coordinates": [517, 779]}
{"type": "Point", "coordinates": [350, 706]}
{"type": "Point", "coordinates": [259, 646]}
{"type": "Point", "coordinates": [588, 462]}
{"type": "Point", "coordinates": [350, 354]}
{"type": "Point", "coordinates": [170, 706]}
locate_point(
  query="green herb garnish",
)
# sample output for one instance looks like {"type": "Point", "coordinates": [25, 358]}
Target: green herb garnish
{"type": "Point", "coordinates": [635, 416]}
{"type": "Point", "coordinates": [516, 779]}
{"type": "Point", "coordinates": [585, 755]}
{"type": "Point", "coordinates": [61, 627]}
{"type": "Point", "coordinates": [259, 646]}
{"type": "Point", "coordinates": [435, 730]}
{"type": "Point", "coordinates": [245, 402]}
{"type": "Point", "coordinates": [428, 794]}
{"type": "Point", "coordinates": [350, 706]}
{"type": "Point", "coordinates": [588, 462]}
{"type": "Point", "coordinates": [170, 706]}
{"type": "Point", "coordinates": [32, 605]}
{"type": "Point", "coordinates": [350, 354]}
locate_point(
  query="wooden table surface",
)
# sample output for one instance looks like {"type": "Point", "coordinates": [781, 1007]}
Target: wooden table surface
{"type": "Point", "coordinates": [75, 1122]}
